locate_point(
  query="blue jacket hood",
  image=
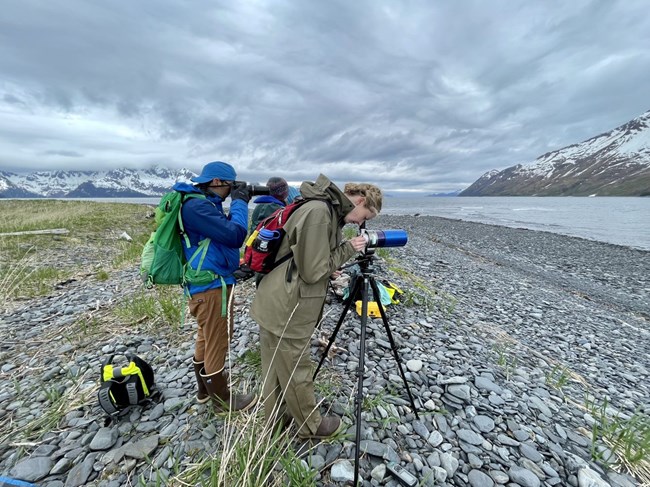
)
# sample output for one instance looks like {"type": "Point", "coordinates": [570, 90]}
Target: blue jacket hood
{"type": "Point", "coordinates": [267, 198]}
{"type": "Point", "coordinates": [185, 188]}
{"type": "Point", "coordinates": [190, 188]}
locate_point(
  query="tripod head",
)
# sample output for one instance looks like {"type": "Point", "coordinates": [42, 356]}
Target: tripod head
{"type": "Point", "coordinates": [366, 262]}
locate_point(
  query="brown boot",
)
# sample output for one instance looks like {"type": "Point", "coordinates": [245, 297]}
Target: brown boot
{"type": "Point", "coordinates": [328, 427]}
{"type": "Point", "coordinates": [217, 386]}
{"type": "Point", "coordinates": [202, 395]}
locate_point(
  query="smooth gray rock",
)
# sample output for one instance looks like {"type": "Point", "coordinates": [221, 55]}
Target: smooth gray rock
{"type": "Point", "coordinates": [342, 471]}
{"type": "Point", "coordinates": [378, 473]}
{"type": "Point", "coordinates": [414, 365]}
{"type": "Point", "coordinates": [485, 384]}
{"type": "Point", "coordinates": [32, 469]}
{"type": "Point", "coordinates": [80, 473]}
{"type": "Point", "coordinates": [530, 452]}
{"type": "Point", "coordinates": [435, 439]}
{"type": "Point", "coordinates": [499, 477]}
{"type": "Point", "coordinates": [523, 477]}
{"type": "Point", "coordinates": [589, 478]}
{"type": "Point", "coordinates": [461, 391]}
{"type": "Point", "coordinates": [479, 479]}
{"type": "Point", "coordinates": [104, 439]}
{"type": "Point", "coordinates": [470, 437]}
{"type": "Point", "coordinates": [373, 448]}
{"type": "Point", "coordinates": [141, 449]}
{"type": "Point", "coordinates": [449, 463]}
{"type": "Point", "coordinates": [485, 424]}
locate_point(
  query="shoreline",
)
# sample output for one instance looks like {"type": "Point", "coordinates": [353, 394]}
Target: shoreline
{"type": "Point", "coordinates": [406, 210]}
{"type": "Point", "coordinates": [536, 230]}
{"type": "Point", "coordinates": [608, 272]}
{"type": "Point", "coordinates": [503, 332]}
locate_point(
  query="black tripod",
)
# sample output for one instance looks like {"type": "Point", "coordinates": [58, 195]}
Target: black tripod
{"type": "Point", "coordinates": [362, 284]}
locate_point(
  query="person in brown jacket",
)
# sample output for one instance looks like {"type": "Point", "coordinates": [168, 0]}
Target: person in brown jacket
{"type": "Point", "coordinates": [289, 300]}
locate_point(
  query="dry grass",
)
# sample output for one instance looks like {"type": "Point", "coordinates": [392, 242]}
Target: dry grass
{"type": "Point", "coordinates": [31, 265]}
{"type": "Point", "coordinates": [81, 217]}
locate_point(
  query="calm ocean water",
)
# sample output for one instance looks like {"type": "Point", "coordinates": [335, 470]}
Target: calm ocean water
{"type": "Point", "coordinates": [621, 221]}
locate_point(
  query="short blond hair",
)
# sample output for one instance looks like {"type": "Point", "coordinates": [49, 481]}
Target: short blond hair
{"type": "Point", "coordinates": [370, 192]}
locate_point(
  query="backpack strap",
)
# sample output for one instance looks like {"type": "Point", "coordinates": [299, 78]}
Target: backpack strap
{"type": "Point", "coordinates": [103, 395]}
{"type": "Point", "coordinates": [184, 196]}
{"type": "Point", "coordinates": [288, 256]}
{"type": "Point", "coordinates": [203, 250]}
{"type": "Point", "coordinates": [132, 392]}
{"type": "Point", "coordinates": [107, 400]}
{"type": "Point", "coordinates": [132, 370]}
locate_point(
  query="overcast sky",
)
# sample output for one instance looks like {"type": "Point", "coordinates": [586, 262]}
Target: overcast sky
{"type": "Point", "coordinates": [423, 95]}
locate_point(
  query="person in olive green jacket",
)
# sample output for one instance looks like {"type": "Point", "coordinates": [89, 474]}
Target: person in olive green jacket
{"type": "Point", "coordinates": [289, 300]}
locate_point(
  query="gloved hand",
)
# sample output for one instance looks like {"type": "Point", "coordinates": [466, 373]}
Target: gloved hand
{"type": "Point", "coordinates": [243, 273]}
{"type": "Point", "coordinates": [240, 192]}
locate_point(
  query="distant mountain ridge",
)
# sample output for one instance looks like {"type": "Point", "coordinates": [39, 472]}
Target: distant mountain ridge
{"type": "Point", "coordinates": [448, 194]}
{"type": "Point", "coordinates": [615, 163]}
{"type": "Point", "coordinates": [116, 183]}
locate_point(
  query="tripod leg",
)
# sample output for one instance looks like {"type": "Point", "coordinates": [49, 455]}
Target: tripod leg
{"type": "Point", "coordinates": [377, 296]}
{"type": "Point", "coordinates": [360, 371]}
{"type": "Point", "coordinates": [351, 296]}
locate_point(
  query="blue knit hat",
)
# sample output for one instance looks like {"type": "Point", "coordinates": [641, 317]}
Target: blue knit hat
{"type": "Point", "coordinates": [293, 194]}
{"type": "Point", "coordinates": [216, 169]}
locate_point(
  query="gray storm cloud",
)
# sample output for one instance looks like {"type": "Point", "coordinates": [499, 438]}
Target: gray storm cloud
{"type": "Point", "coordinates": [418, 95]}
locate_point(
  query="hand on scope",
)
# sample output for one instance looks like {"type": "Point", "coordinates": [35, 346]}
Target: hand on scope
{"type": "Point", "coordinates": [359, 243]}
{"type": "Point", "coordinates": [239, 191]}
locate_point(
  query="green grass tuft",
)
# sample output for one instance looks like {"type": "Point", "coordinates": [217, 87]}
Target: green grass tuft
{"type": "Point", "coordinates": [628, 438]}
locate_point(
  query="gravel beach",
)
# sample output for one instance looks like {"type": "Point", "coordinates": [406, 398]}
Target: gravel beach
{"type": "Point", "coordinates": [516, 344]}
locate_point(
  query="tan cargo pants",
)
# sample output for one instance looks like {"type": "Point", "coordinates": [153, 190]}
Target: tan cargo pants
{"type": "Point", "coordinates": [214, 331]}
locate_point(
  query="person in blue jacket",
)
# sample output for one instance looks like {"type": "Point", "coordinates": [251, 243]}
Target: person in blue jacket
{"type": "Point", "coordinates": [211, 302]}
{"type": "Point", "coordinates": [293, 194]}
{"type": "Point", "coordinates": [266, 205]}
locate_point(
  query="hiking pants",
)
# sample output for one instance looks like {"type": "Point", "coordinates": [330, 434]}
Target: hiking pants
{"type": "Point", "coordinates": [287, 374]}
{"type": "Point", "coordinates": [214, 330]}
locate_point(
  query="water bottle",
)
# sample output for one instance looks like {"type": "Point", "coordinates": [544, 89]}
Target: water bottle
{"type": "Point", "coordinates": [263, 239]}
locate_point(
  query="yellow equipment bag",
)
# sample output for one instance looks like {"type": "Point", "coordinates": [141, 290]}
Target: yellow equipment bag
{"type": "Point", "coordinates": [373, 309]}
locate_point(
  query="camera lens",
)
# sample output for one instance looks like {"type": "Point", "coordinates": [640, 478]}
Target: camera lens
{"type": "Point", "coordinates": [257, 189]}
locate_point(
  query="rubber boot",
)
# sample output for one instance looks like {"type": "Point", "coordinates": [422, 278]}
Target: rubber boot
{"type": "Point", "coordinates": [202, 395]}
{"type": "Point", "coordinates": [217, 386]}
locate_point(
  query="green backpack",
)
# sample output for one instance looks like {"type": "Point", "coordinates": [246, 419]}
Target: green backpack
{"type": "Point", "coordinates": [163, 260]}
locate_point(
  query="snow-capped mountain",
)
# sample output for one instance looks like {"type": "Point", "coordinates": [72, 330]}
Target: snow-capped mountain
{"type": "Point", "coordinates": [114, 183]}
{"type": "Point", "coordinates": [616, 163]}
{"type": "Point", "coordinates": [10, 190]}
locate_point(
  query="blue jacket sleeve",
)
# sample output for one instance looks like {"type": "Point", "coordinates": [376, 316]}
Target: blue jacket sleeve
{"type": "Point", "coordinates": [202, 217]}
{"type": "Point", "coordinates": [239, 213]}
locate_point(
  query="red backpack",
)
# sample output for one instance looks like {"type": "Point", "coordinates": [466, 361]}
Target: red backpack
{"type": "Point", "coordinates": [263, 244]}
